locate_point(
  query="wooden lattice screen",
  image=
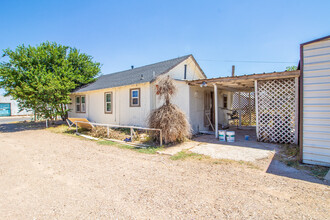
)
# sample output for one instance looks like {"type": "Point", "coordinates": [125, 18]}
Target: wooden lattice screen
{"type": "Point", "coordinates": [277, 109]}
{"type": "Point", "coordinates": [245, 100]}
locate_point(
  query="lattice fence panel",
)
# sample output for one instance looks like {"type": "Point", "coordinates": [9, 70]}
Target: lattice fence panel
{"type": "Point", "coordinates": [248, 113]}
{"type": "Point", "coordinates": [276, 111]}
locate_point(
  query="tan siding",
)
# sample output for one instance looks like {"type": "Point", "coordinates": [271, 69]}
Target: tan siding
{"type": "Point", "coordinates": [316, 103]}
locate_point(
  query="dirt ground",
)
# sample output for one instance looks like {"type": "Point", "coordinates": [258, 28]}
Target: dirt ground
{"type": "Point", "coordinates": [45, 175]}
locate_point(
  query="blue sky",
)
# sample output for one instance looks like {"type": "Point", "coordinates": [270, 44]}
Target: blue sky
{"type": "Point", "coordinates": [218, 33]}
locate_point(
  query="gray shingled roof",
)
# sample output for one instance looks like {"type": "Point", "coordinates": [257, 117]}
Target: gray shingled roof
{"type": "Point", "coordinates": [132, 76]}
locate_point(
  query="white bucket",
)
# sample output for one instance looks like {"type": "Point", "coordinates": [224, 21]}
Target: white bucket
{"type": "Point", "coordinates": [230, 136]}
{"type": "Point", "coordinates": [222, 135]}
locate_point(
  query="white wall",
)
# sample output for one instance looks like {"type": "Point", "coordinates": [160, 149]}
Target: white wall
{"type": "Point", "coordinates": [122, 112]}
{"type": "Point", "coordinates": [193, 72]}
{"type": "Point", "coordinates": [316, 103]}
{"type": "Point", "coordinates": [181, 99]}
{"type": "Point", "coordinates": [14, 106]}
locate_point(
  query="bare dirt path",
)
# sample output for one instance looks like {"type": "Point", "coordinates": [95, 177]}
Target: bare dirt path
{"type": "Point", "coordinates": [44, 175]}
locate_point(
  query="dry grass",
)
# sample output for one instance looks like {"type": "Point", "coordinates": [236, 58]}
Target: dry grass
{"type": "Point", "coordinates": [187, 155]}
{"type": "Point", "coordinates": [289, 155]}
{"type": "Point", "coordinates": [101, 132]}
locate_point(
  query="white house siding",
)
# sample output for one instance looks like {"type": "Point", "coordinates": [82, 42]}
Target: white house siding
{"type": "Point", "coordinates": [197, 109]}
{"type": "Point", "coordinates": [316, 103]}
{"type": "Point", "coordinates": [193, 72]}
{"type": "Point", "coordinates": [122, 113]}
{"type": "Point", "coordinates": [14, 106]}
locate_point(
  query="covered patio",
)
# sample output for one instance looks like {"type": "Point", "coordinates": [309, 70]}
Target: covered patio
{"type": "Point", "coordinates": [266, 103]}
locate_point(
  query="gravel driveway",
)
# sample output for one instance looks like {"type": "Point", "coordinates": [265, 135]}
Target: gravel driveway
{"type": "Point", "coordinates": [44, 175]}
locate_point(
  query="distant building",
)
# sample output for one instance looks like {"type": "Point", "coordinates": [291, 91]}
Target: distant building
{"type": "Point", "coordinates": [9, 107]}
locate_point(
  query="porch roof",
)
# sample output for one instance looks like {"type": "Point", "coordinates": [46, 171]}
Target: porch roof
{"type": "Point", "coordinates": [244, 82]}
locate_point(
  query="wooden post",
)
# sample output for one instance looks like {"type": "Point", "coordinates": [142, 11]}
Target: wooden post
{"type": "Point", "coordinates": [108, 131]}
{"type": "Point", "coordinates": [257, 113]}
{"type": "Point", "coordinates": [131, 134]}
{"type": "Point", "coordinates": [250, 117]}
{"type": "Point", "coordinates": [239, 110]}
{"type": "Point", "coordinates": [161, 137]}
{"type": "Point", "coordinates": [46, 123]}
{"type": "Point", "coordinates": [216, 109]}
{"type": "Point", "coordinates": [76, 128]}
{"type": "Point", "coordinates": [296, 118]}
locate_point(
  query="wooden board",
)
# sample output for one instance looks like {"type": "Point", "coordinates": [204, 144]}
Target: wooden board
{"type": "Point", "coordinates": [86, 125]}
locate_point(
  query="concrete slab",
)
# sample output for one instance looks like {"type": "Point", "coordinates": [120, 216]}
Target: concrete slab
{"type": "Point", "coordinates": [231, 152]}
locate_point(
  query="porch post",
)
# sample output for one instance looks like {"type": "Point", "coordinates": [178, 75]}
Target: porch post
{"type": "Point", "coordinates": [216, 110]}
{"type": "Point", "coordinates": [296, 118]}
{"type": "Point", "coordinates": [239, 110]}
{"type": "Point", "coordinates": [257, 109]}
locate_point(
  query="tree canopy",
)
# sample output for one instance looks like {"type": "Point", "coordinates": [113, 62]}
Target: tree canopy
{"type": "Point", "coordinates": [41, 78]}
{"type": "Point", "coordinates": [291, 68]}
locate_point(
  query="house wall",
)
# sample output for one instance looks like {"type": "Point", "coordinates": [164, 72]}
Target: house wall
{"type": "Point", "coordinates": [193, 72]}
{"type": "Point", "coordinates": [14, 106]}
{"type": "Point", "coordinates": [316, 103]}
{"type": "Point", "coordinates": [122, 113]}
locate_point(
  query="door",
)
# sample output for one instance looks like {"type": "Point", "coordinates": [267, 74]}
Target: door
{"type": "Point", "coordinates": [5, 109]}
{"type": "Point", "coordinates": [208, 110]}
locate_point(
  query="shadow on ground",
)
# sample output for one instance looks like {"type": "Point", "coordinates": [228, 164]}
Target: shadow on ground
{"type": "Point", "coordinates": [246, 150]}
{"type": "Point", "coordinates": [25, 126]}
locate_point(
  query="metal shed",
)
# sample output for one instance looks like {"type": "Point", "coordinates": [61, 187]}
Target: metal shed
{"type": "Point", "coordinates": [315, 101]}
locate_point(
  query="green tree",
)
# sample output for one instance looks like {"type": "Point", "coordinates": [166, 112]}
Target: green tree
{"type": "Point", "coordinates": [291, 68]}
{"type": "Point", "coordinates": [41, 78]}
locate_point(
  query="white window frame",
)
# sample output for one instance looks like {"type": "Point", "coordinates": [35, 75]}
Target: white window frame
{"type": "Point", "coordinates": [106, 102]}
{"type": "Point", "coordinates": [82, 106]}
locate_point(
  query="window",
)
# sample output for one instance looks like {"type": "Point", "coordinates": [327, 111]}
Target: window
{"type": "Point", "coordinates": [108, 102]}
{"type": "Point", "coordinates": [135, 97]}
{"type": "Point", "coordinates": [81, 104]}
{"type": "Point", "coordinates": [225, 101]}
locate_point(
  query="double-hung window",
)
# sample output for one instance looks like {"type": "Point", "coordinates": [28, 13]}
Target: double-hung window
{"type": "Point", "coordinates": [108, 102]}
{"type": "Point", "coordinates": [135, 97]}
{"type": "Point", "coordinates": [81, 104]}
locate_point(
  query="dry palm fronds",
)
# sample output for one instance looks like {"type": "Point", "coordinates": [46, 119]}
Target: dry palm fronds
{"type": "Point", "coordinates": [165, 88]}
{"type": "Point", "coordinates": [169, 118]}
{"type": "Point", "coordinates": [172, 121]}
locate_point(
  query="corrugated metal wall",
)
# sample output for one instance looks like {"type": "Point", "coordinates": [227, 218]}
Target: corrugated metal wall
{"type": "Point", "coordinates": [316, 102]}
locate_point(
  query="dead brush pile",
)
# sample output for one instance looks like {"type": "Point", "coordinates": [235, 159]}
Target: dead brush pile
{"type": "Point", "coordinates": [172, 121]}
{"type": "Point", "coordinates": [169, 117]}
{"type": "Point", "coordinates": [101, 132]}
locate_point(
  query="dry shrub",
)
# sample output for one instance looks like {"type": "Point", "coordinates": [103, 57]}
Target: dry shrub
{"type": "Point", "coordinates": [169, 118]}
{"type": "Point", "coordinates": [172, 121]}
{"type": "Point", "coordinates": [101, 132]}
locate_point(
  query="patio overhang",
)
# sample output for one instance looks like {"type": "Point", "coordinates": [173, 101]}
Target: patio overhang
{"type": "Point", "coordinates": [244, 82]}
{"type": "Point", "coordinates": [278, 94]}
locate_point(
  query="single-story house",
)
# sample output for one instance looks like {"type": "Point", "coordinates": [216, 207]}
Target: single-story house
{"type": "Point", "coordinates": [9, 107]}
{"type": "Point", "coordinates": [283, 107]}
{"type": "Point", "coordinates": [127, 97]}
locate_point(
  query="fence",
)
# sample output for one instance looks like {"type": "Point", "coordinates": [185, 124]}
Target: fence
{"type": "Point", "coordinates": [108, 126]}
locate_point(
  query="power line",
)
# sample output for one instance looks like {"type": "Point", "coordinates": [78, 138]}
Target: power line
{"type": "Point", "coordinates": [245, 61]}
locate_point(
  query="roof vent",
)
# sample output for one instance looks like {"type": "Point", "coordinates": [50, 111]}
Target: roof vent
{"type": "Point", "coordinates": [132, 67]}
{"type": "Point", "coordinates": [142, 77]}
